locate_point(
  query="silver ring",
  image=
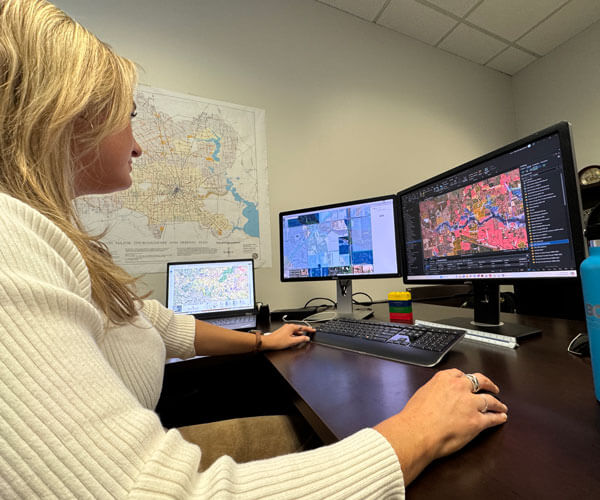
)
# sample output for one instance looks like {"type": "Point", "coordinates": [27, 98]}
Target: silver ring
{"type": "Point", "coordinates": [485, 408]}
{"type": "Point", "coordinates": [474, 381]}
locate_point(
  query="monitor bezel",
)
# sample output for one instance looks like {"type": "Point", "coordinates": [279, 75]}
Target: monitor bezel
{"type": "Point", "coordinates": [391, 197]}
{"type": "Point", "coordinates": [215, 261]}
{"type": "Point", "coordinates": [563, 129]}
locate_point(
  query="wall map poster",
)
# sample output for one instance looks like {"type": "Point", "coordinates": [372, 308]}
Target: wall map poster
{"type": "Point", "coordinates": [200, 188]}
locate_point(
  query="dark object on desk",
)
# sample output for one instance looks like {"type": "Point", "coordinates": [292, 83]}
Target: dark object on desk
{"type": "Point", "coordinates": [442, 295]}
{"type": "Point", "coordinates": [297, 314]}
{"type": "Point", "coordinates": [456, 296]}
{"type": "Point", "coordinates": [590, 175]}
{"type": "Point", "coordinates": [263, 314]}
{"type": "Point", "coordinates": [580, 345]}
{"type": "Point", "coordinates": [590, 197]}
{"type": "Point", "coordinates": [507, 302]}
{"type": "Point", "coordinates": [551, 298]}
{"type": "Point", "coordinates": [414, 344]}
{"type": "Point", "coordinates": [486, 296]}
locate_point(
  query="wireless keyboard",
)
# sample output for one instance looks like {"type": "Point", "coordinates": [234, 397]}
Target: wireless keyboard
{"type": "Point", "coordinates": [415, 344]}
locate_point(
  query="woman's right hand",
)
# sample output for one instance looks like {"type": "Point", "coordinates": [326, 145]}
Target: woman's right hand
{"type": "Point", "coordinates": [440, 418]}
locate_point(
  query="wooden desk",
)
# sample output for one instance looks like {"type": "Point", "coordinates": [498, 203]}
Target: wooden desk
{"type": "Point", "coordinates": [549, 448]}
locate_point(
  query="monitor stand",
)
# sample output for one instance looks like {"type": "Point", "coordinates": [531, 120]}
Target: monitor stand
{"type": "Point", "coordinates": [486, 304]}
{"type": "Point", "coordinates": [344, 307]}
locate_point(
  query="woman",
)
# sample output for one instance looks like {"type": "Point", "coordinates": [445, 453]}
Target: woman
{"type": "Point", "coordinates": [82, 355]}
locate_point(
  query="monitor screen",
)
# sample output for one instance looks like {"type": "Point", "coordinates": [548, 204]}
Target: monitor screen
{"type": "Point", "coordinates": [512, 214]}
{"type": "Point", "coordinates": [355, 239]}
{"type": "Point", "coordinates": [210, 286]}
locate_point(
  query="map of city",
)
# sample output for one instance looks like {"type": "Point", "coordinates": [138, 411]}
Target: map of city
{"type": "Point", "coordinates": [483, 217]}
{"type": "Point", "coordinates": [336, 242]}
{"type": "Point", "coordinates": [200, 188]}
{"type": "Point", "coordinates": [218, 287]}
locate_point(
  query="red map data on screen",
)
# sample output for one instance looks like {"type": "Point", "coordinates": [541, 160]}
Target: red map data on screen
{"type": "Point", "coordinates": [483, 217]}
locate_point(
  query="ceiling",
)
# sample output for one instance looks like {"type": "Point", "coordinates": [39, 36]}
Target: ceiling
{"type": "Point", "coordinates": [506, 35]}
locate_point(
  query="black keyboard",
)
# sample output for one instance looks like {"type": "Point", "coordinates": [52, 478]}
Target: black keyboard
{"type": "Point", "coordinates": [415, 344]}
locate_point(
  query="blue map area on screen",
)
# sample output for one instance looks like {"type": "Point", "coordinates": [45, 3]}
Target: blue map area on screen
{"type": "Point", "coordinates": [340, 241]}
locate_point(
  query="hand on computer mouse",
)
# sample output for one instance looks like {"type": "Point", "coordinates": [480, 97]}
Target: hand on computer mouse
{"type": "Point", "coordinates": [289, 335]}
{"type": "Point", "coordinates": [301, 345]}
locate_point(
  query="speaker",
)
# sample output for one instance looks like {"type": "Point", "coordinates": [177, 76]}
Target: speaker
{"type": "Point", "coordinates": [263, 314]}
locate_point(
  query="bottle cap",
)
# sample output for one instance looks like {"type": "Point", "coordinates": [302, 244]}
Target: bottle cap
{"type": "Point", "coordinates": [399, 296]}
{"type": "Point", "coordinates": [592, 230]}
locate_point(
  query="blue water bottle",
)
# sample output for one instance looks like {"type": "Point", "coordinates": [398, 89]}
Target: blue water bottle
{"type": "Point", "coordinates": [590, 280]}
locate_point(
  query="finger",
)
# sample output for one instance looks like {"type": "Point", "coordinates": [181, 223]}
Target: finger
{"type": "Point", "coordinates": [490, 419]}
{"type": "Point", "coordinates": [304, 331]}
{"type": "Point", "coordinates": [486, 383]}
{"type": "Point", "coordinates": [299, 339]}
{"type": "Point", "coordinates": [304, 328]}
{"type": "Point", "coordinates": [479, 382]}
{"type": "Point", "coordinates": [473, 382]}
{"type": "Point", "coordinates": [490, 404]}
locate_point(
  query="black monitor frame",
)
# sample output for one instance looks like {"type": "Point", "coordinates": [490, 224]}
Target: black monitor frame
{"type": "Point", "coordinates": [343, 281]}
{"type": "Point", "coordinates": [486, 289]}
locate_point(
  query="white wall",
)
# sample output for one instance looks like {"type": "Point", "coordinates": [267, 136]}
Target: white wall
{"type": "Point", "coordinates": [564, 85]}
{"type": "Point", "coordinates": [353, 110]}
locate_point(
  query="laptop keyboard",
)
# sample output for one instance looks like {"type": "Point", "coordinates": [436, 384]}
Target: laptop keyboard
{"type": "Point", "coordinates": [234, 322]}
{"type": "Point", "coordinates": [416, 344]}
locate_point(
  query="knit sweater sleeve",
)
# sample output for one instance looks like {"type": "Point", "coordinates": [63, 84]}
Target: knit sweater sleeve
{"type": "Point", "coordinates": [71, 428]}
{"type": "Point", "coordinates": [177, 330]}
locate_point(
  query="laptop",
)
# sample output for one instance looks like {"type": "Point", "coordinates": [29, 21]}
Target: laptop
{"type": "Point", "coordinates": [219, 291]}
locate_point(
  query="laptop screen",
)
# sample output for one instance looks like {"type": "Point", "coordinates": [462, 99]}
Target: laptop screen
{"type": "Point", "coordinates": [213, 288]}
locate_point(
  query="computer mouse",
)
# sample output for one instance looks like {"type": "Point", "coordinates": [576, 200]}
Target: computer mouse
{"type": "Point", "coordinates": [580, 345]}
{"type": "Point", "coordinates": [300, 345]}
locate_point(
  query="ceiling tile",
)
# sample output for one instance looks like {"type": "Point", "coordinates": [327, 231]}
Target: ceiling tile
{"type": "Point", "coordinates": [367, 9]}
{"type": "Point", "coordinates": [472, 44]}
{"type": "Point", "coordinates": [416, 20]}
{"type": "Point", "coordinates": [511, 61]}
{"type": "Point", "coordinates": [572, 19]}
{"type": "Point", "coordinates": [457, 7]}
{"type": "Point", "coordinates": [510, 19]}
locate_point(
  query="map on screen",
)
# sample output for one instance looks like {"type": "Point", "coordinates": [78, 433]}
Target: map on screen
{"type": "Point", "coordinates": [486, 216]}
{"type": "Point", "coordinates": [320, 242]}
{"type": "Point", "coordinates": [209, 288]}
{"type": "Point", "coordinates": [350, 240]}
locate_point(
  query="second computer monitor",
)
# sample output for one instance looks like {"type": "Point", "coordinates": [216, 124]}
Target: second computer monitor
{"type": "Point", "coordinates": [342, 241]}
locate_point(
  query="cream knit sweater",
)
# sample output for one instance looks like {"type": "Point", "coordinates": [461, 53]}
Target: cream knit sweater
{"type": "Point", "coordinates": [77, 399]}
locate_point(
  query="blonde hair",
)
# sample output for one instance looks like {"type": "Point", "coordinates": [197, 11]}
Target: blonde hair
{"type": "Point", "coordinates": [54, 76]}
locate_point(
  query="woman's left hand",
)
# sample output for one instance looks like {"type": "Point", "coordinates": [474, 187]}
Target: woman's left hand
{"type": "Point", "coordinates": [288, 335]}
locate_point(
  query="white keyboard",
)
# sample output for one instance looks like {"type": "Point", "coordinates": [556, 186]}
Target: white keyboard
{"type": "Point", "coordinates": [478, 335]}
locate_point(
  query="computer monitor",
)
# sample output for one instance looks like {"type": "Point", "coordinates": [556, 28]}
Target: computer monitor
{"type": "Point", "coordinates": [342, 242]}
{"type": "Point", "coordinates": [511, 215]}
